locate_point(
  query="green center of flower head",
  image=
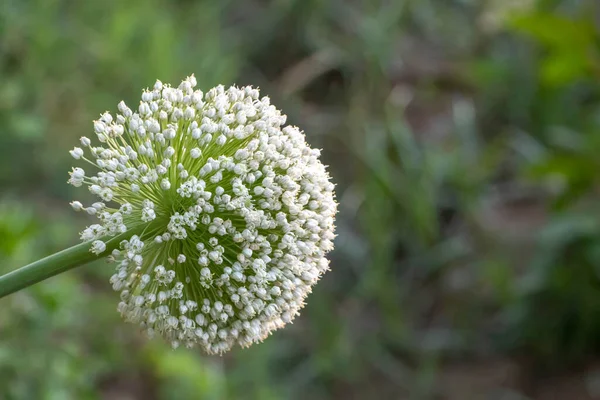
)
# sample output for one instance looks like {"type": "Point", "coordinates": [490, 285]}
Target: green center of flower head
{"type": "Point", "coordinates": [231, 214]}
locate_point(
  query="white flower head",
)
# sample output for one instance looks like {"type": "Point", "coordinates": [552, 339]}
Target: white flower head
{"type": "Point", "coordinates": [218, 217]}
{"type": "Point", "coordinates": [98, 247]}
{"type": "Point", "coordinates": [76, 153]}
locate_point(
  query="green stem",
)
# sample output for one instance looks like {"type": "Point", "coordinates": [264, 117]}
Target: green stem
{"type": "Point", "coordinates": [57, 263]}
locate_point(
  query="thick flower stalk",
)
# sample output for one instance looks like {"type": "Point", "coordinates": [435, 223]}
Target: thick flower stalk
{"type": "Point", "coordinates": [227, 214]}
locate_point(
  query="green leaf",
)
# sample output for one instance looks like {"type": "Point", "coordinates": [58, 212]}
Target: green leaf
{"type": "Point", "coordinates": [564, 67]}
{"type": "Point", "coordinates": [556, 31]}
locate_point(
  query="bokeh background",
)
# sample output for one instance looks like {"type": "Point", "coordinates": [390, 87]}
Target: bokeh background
{"type": "Point", "coordinates": [464, 138]}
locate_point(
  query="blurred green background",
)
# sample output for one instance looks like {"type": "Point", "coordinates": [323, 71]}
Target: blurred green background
{"type": "Point", "coordinates": [464, 138]}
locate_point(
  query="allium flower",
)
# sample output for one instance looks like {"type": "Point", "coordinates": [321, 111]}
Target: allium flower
{"type": "Point", "coordinates": [227, 215]}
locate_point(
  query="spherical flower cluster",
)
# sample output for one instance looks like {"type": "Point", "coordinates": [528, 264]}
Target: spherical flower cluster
{"type": "Point", "coordinates": [223, 214]}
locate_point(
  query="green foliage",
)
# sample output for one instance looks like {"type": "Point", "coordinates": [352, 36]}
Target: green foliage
{"type": "Point", "coordinates": [571, 44]}
{"type": "Point", "coordinates": [466, 163]}
{"type": "Point", "coordinates": [561, 290]}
